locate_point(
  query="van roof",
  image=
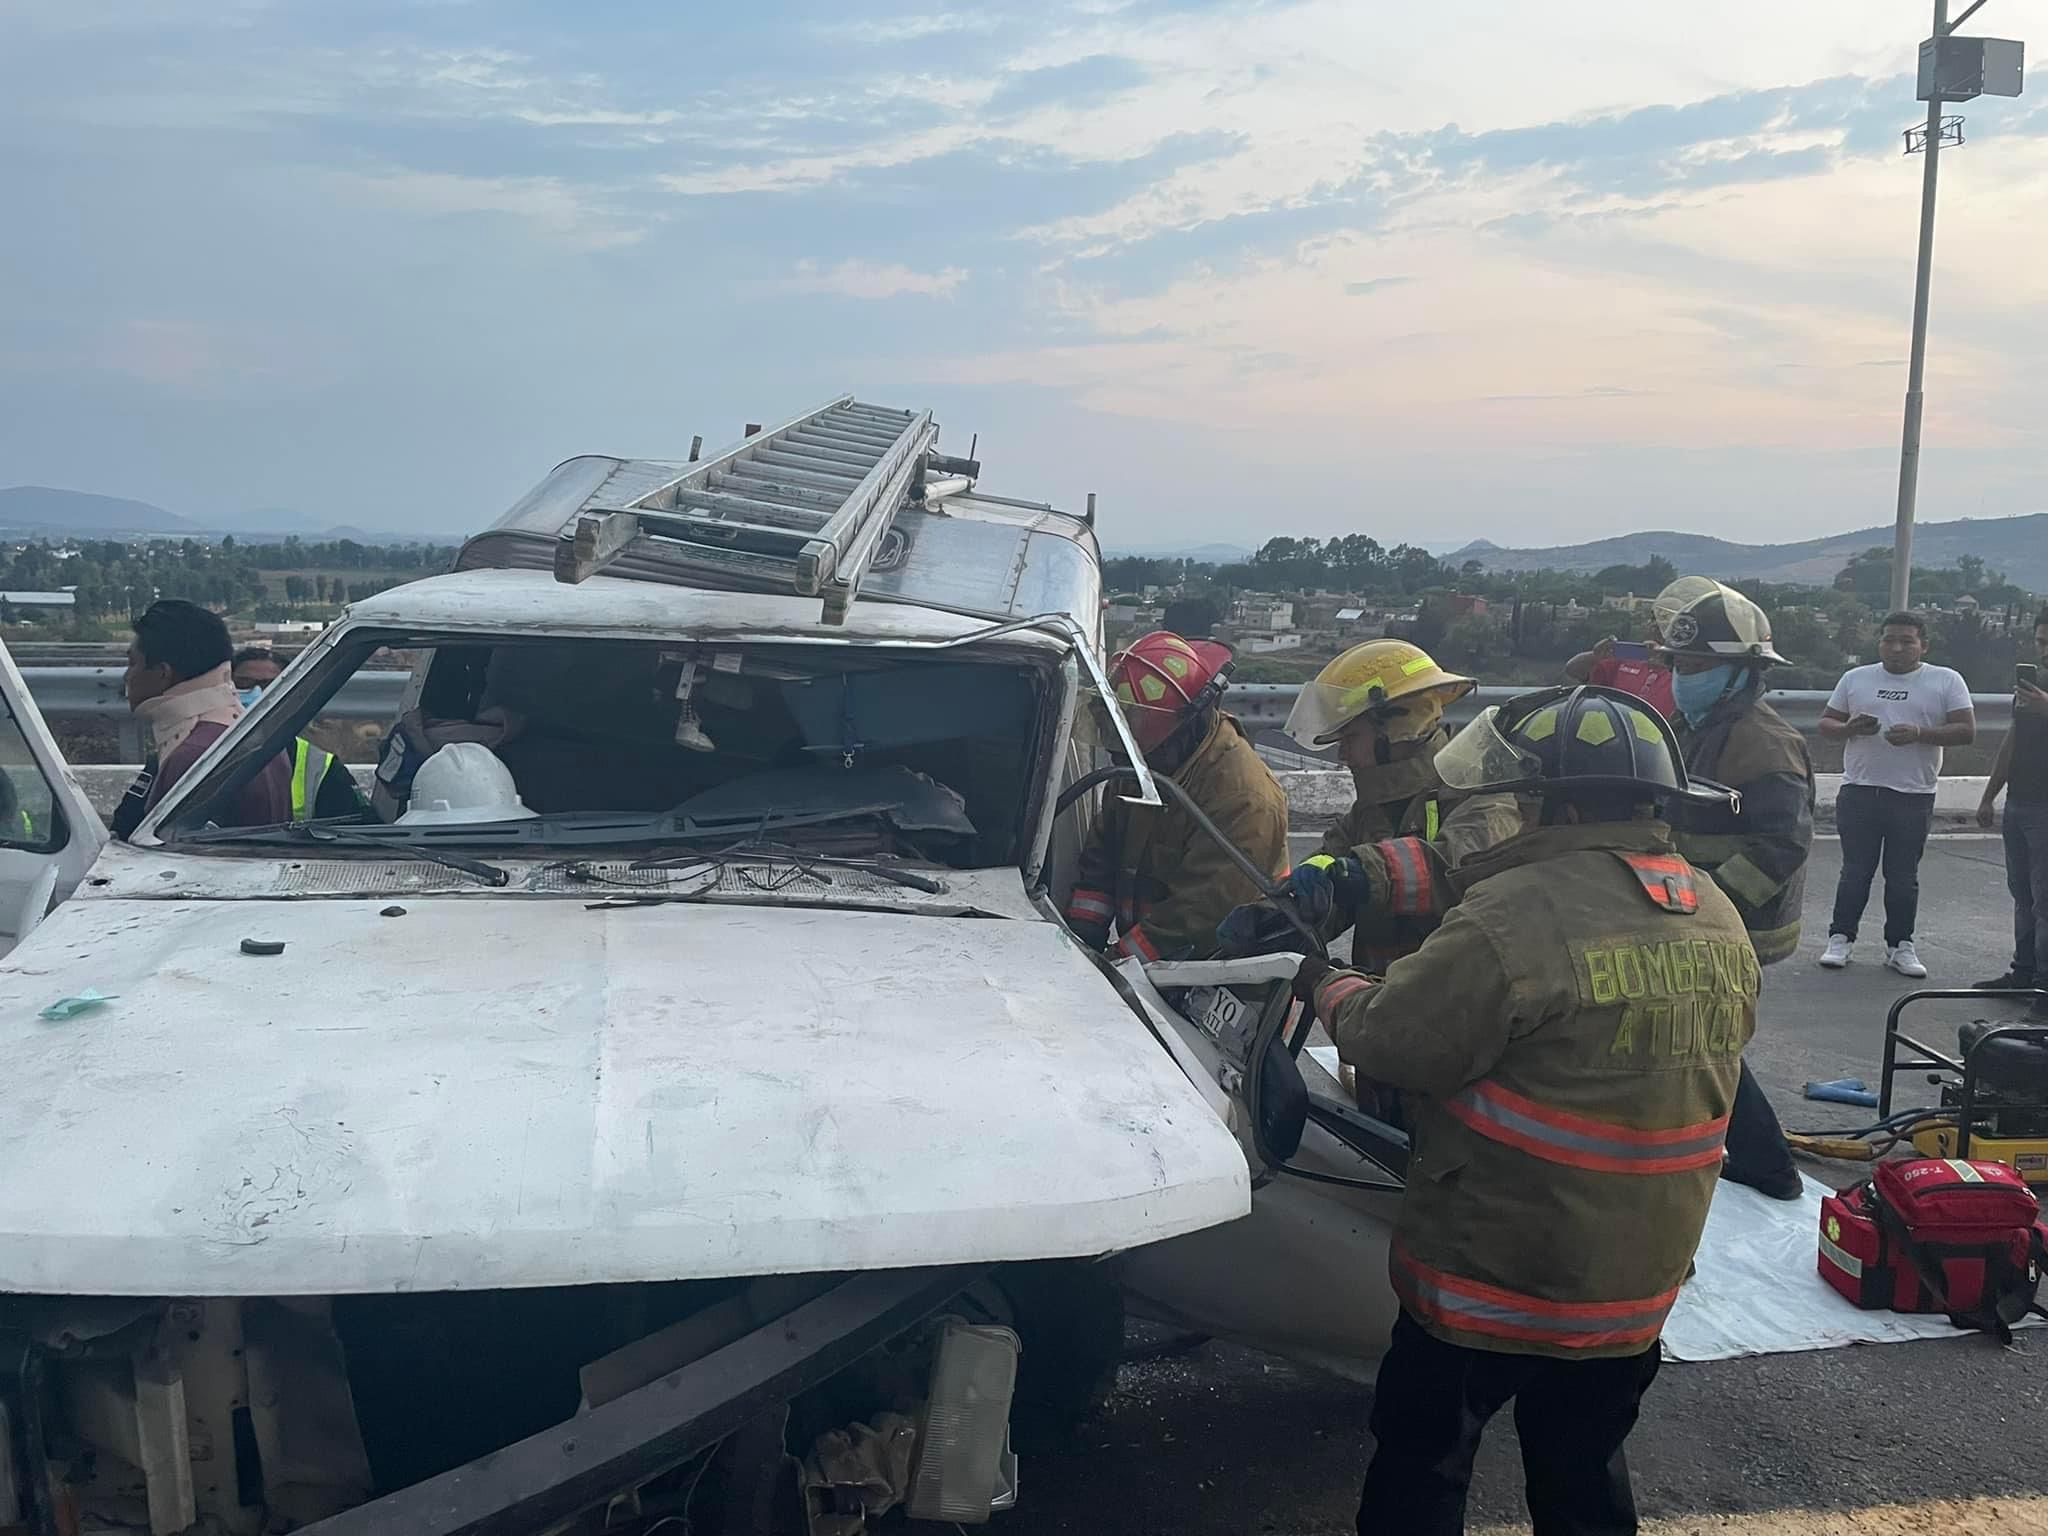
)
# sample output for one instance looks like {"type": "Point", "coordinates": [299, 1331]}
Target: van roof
{"type": "Point", "coordinates": [964, 549]}
{"type": "Point", "coordinates": [533, 602]}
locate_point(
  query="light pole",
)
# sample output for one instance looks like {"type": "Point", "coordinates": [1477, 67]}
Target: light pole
{"type": "Point", "coordinates": [1951, 69]}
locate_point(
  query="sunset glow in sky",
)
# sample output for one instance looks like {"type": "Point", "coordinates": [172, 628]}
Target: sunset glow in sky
{"type": "Point", "coordinates": [1472, 268]}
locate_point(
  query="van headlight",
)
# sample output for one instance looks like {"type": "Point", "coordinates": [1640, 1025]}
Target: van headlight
{"type": "Point", "coordinates": [964, 1464]}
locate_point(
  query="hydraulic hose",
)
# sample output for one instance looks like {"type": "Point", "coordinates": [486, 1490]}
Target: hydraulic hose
{"type": "Point", "coordinates": [1281, 901]}
{"type": "Point", "coordinates": [1867, 1143]}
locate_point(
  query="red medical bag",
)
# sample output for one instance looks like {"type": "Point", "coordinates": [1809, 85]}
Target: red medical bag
{"type": "Point", "coordinates": [1930, 1234]}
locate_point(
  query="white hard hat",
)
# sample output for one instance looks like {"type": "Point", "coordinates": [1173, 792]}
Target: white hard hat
{"type": "Point", "coordinates": [463, 782]}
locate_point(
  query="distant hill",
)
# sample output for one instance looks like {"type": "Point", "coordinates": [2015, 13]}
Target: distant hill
{"type": "Point", "coordinates": [1201, 554]}
{"type": "Point", "coordinates": [306, 530]}
{"type": "Point", "coordinates": [272, 525]}
{"type": "Point", "coordinates": [2018, 546]}
{"type": "Point", "coordinates": [44, 509]}
{"type": "Point", "coordinates": [46, 512]}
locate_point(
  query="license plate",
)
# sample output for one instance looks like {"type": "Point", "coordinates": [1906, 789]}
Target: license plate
{"type": "Point", "coordinates": [1215, 1011]}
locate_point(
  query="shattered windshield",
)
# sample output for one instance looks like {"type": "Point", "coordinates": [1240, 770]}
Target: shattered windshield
{"type": "Point", "coordinates": [581, 743]}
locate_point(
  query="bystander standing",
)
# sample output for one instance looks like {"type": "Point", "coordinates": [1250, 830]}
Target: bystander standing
{"type": "Point", "coordinates": [2021, 771]}
{"type": "Point", "coordinates": [1630, 665]}
{"type": "Point", "coordinates": [1894, 717]}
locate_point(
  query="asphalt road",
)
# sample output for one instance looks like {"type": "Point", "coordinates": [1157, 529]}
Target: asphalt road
{"type": "Point", "coordinates": [1223, 1440]}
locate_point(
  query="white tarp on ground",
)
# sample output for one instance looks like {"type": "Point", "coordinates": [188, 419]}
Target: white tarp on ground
{"type": "Point", "coordinates": [1759, 1291]}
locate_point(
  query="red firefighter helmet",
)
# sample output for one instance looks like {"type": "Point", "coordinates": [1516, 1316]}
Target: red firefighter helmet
{"type": "Point", "coordinates": [1162, 678]}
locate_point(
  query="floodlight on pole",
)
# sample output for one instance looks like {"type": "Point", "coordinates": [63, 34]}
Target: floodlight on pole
{"type": "Point", "coordinates": [1951, 69]}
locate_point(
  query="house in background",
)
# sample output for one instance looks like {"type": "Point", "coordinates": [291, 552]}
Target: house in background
{"type": "Point", "coordinates": [36, 607]}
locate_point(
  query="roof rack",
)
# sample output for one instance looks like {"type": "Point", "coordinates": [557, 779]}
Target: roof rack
{"type": "Point", "coordinates": [801, 507]}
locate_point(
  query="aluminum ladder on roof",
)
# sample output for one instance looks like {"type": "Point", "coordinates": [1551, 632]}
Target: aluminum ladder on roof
{"type": "Point", "coordinates": [801, 507]}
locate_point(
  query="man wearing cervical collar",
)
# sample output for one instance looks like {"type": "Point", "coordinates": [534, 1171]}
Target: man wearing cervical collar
{"type": "Point", "coordinates": [179, 684]}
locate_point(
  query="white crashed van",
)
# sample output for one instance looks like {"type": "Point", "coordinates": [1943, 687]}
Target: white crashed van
{"type": "Point", "coordinates": [724, 1128]}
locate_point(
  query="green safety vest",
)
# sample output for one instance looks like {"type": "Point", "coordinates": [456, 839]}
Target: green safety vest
{"type": "Point", "coordinates": [309, 770]}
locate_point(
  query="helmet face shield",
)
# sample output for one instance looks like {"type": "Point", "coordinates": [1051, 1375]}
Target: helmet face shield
{"type": "Point", "coordinates": [1322, 710]}
{"type": "Point", "coordinates": [1163, 678]}
{"type": "Point", "coordinates": [1480, 758]}
{"type": "Point", "coordinates": [1150, 723]}
{"type": "Point", "coordinates": [1699, 616]}
{"type": "Point", "coordinates": [1398, 684]}
{"type": "Point", "coordinates": [1579, 738]}
{"type": "Point", "coordinates": [1676, 600]}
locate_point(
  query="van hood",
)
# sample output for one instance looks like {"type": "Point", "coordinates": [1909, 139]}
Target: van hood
{"type": "Point", "coordinates": [480, 1094]}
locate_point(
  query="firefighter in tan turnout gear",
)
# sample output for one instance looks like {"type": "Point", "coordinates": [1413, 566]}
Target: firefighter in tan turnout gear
{"type": "Point", "coordinates": [1570, 1038]}
{"type": "Point", "coordinates": [1717, 644]}
{"type": "Point", "coordinates": [1151, 874]}
{"type": "Point", "coordinates": [1384, 867]}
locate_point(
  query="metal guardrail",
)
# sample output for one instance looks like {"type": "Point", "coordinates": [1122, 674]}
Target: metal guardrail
{"type": "Point", "coordinates": [71, 693]}
{"type": "Point", "coordinates": [74, 692]}
{"type": "Point", "coordinates": [1265, 705]}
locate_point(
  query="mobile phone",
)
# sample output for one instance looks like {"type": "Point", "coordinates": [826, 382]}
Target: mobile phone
{"type": "Point", "coordinates": [1631, 650]}
{"type": "Point", "coordinates": [2026, 672]}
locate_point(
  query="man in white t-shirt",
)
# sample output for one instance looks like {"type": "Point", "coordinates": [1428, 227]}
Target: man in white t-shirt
{"type": "Point", "coordinates": [1894, 718]}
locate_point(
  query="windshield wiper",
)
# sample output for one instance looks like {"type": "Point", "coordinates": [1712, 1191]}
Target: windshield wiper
{"type": "Point", "coordinates": [347, 831]}
{"type": "Point", "coordinates": [268, 833]}
{"type": "Point", "coordinates": [489, 874]}
{"type": "Point", "coordinates": [906, 877]}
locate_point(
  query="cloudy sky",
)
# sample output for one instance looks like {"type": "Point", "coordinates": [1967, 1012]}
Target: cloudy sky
{"type": "Point", "coordinates": [1444, 270]}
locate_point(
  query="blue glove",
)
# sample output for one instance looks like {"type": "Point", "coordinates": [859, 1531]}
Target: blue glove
{"type": "Point", "coordinates": [1319, 882]}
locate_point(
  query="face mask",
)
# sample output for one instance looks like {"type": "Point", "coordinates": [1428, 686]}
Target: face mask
{"type": "Point", "coordinates": [1696, 693]}
{"type": "Point", "coordinates": [249, 696]}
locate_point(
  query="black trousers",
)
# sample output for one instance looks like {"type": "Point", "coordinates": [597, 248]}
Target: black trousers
{"type": "Point", "coordinates": [1756, 1142]}
{"type": "Point", "coordinates": [1433, 1402]}
{"type": "Point", "coordinates": [1880, 826]}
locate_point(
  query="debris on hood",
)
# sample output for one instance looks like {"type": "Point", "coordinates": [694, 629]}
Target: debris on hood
{"type": "Point", "coordinates": [86, 999]}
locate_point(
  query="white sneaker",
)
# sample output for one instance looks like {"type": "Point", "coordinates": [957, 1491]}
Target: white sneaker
{"type": "Point", "coordinates": [1900, 957]}
{"type": "Point", "coordinates": [1836, 955]}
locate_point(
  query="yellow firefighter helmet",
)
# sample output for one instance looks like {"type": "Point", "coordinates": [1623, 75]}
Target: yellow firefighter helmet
{"type": "Point", "coordinates": [1399, 683]}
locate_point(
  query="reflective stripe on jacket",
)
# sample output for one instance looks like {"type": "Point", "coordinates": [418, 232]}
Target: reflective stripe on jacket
{"type": "Point", "coordinates": [309, 768]}
{"type": "Point", "coordinates": [1757, 851]}
{"type": "Point", "coordinates": [1568, 1044]}
{"type": "Point", "coordinates": [1164, 880]}
{"type": "Point", "coordinates": [1408, 863]}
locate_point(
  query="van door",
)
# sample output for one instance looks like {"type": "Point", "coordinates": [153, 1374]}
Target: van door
{"type": "Point", "coordinates": [49, 832]}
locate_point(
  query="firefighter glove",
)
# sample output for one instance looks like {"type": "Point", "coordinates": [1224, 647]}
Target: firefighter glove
{"type": "Point", "coordinates": [1319, 883]}
{"type": "Point", "coordinates": [1258, 928]}
{"type": "Point", "coordinates": [1313, 969]}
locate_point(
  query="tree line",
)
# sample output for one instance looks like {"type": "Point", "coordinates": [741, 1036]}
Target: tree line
{"type": "Point", "coordinates": [1536, 619]}
{"type": "Point", "coordinates": [110, 578]}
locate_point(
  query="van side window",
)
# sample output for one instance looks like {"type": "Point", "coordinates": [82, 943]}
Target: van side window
{"type": "Point", "coordinates": [28, 812]}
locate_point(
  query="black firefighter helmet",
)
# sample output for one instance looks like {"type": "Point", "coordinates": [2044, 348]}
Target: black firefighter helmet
{"type": "Point", "coordinates": [1571, 739]}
